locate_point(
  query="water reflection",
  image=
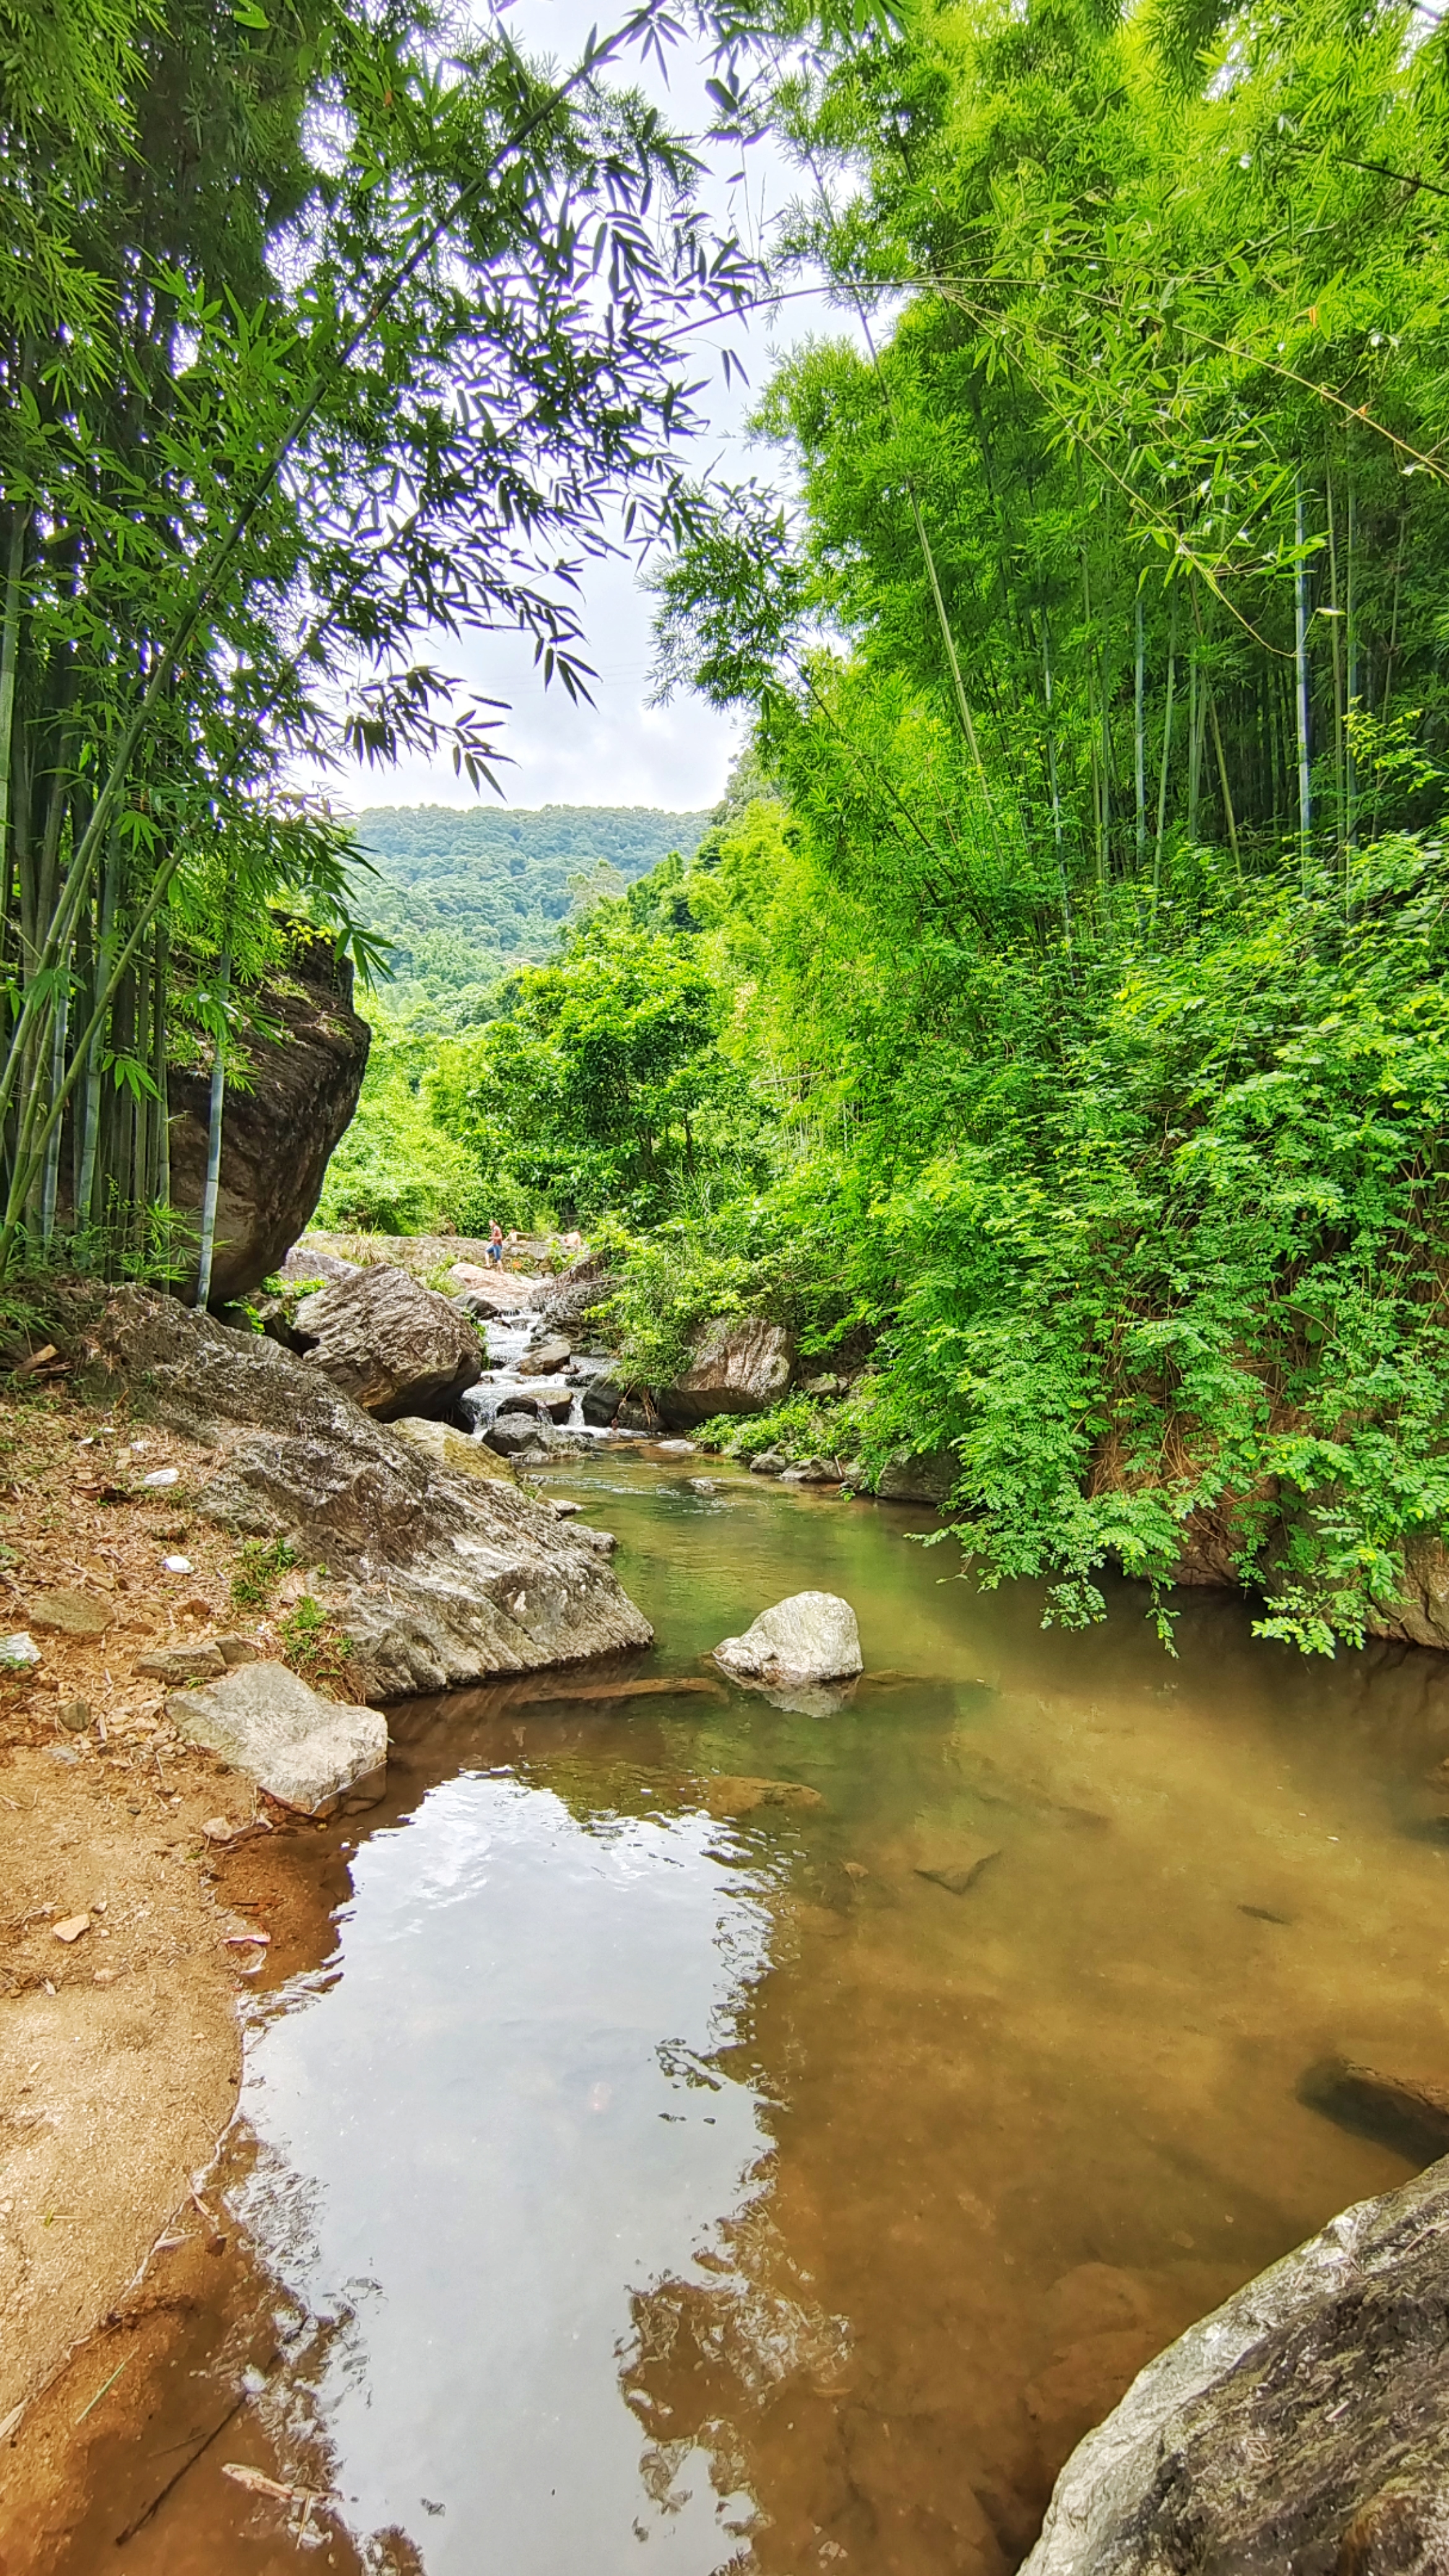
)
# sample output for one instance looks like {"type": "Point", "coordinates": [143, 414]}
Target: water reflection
{"type": "Point", "coordinates": [510, 2145]}
{"type": "Point", "coordinates": [734, 2136]}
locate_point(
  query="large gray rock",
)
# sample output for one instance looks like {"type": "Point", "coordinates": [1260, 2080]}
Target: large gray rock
{"type": "Point", "coordinates": [394, 1346]}
{"type": "Point", "coordinates": [305, 1751]}
{"type": "Point", "coordinates": [434, 1577]}
{"type": "Point", "coordinates": [280, 1128]}
{"type": "Point", "coordinates": [918, 1476]}
{"type": "Point", "coordinates": [1304, 2426]}
{"type": "Point", "coordinates": [811, 1637]}
{"type": "Point", "coordinates": [740, 1365]}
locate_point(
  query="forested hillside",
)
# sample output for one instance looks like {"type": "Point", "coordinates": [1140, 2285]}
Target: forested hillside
{"type": "Point", "coordinates": [1066, 1023]}
{"type": "Point", "coordinates": [466, 896]}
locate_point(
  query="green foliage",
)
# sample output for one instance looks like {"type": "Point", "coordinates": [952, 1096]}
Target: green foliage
{"type": "Point", "coordinates": [261, 1564]}
{"type": "Point", "coordinates": [467, 897]}
{"type": "Point", "coordinates": [397, 1170]}
{"type": "Point", "coordinates": [312, 1643]}
{"type": "Point", "coordinates": [603, 1085]}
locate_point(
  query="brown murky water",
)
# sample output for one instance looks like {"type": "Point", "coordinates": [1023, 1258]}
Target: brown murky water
{"type": "Point", "coordinates": [640, 2185]}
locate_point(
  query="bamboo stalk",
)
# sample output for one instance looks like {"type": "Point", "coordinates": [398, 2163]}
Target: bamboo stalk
{"type": "Point", "coordinates": [211, 1191]}
{"type": "Point", "coordinates": [1300, 665]}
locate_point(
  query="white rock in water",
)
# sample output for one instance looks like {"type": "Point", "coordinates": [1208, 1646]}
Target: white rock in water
{"type": "Point", "coordinates": [812, 1637]}
{"type": "Point", "coordinates": [304, 1750]}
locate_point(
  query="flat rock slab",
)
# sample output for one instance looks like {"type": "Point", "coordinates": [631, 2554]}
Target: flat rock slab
{"type": "Point", "coordinates": [1303, 2426]}
{"type": "Point", "coordinates": [811, 1637]}
{"type": "Point", "coordinates": [305, 1751]}
{"type": "Point", "coordinates": [69, 1614]}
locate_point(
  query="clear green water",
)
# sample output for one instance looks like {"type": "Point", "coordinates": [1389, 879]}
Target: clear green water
{"type": "Point", "coordinates": [641, 2185]}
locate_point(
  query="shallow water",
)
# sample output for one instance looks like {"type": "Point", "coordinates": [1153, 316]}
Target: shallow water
{"type": "Point", "coordinates": [640, 2184]}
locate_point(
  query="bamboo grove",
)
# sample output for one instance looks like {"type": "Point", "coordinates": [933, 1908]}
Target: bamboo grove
{"type": "Point", "coordinates": [320, 329]}
{"type": "Point", "coordinates": [1130, 466]}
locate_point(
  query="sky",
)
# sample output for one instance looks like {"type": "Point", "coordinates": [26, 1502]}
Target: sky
{"type": "Point", "coordinates": [619, 751]}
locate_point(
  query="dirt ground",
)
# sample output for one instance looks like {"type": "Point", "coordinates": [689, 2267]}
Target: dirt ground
{"type": "Point", "coordinates": [131, 1869]}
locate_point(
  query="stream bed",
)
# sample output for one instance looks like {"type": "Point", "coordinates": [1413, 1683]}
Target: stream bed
{"type": "Point", "coordinates": [667, 2171]}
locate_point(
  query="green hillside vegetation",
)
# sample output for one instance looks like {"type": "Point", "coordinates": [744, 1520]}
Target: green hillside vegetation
{"type": "Point", "coordinates": [1058, 1012]}
{"type": "Point", "coordinates": [465, 897]}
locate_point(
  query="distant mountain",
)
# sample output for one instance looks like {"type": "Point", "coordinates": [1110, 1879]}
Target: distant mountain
{"type": "Point", "coordinates": [467, 895]}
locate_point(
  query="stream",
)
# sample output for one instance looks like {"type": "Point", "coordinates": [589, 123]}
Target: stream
{"type": "Point", "coordinates": [661, 2175]}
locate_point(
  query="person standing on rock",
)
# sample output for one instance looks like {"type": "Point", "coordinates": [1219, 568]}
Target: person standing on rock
{"type": "Point", "coordinates": [495, 1244]}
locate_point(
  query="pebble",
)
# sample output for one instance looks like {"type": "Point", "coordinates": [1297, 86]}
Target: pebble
{"type": "Point", "coordinates": [218, 1829]}
{"type": "Point", "coordinates": [177, 1565]}
{"type": "Point", "coordinates": [18, 1654]}
{"type": "Point", "coordinates": [104, 1977]}
{"type": "Point", "coordinates": [162, 1476]}
{"type": "Point", "coordinates": [72, 1928]}
{"type": "Point", "coordinates": [74, 1715]}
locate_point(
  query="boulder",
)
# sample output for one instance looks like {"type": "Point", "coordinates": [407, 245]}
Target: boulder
{"type": "Point", "coordinates": [811, 1471]}
{"type": "Point", "coordinates": [395, 1347]}
{"type": "Point", "coordinates": [305, 1751]}
{"type": "Point", "coordinates": [811, 1637]}
{"type": "Point", "coordinates": [1303, 2425]}
{"type": "Point", "coordinates": [602, 1399]}
{"type": "Point", "coordinates": [740, 1365]}
{"type": "Point", "coordinates": [434, 1577]}
{"type": "Point", "coordinates": [586, 1284]}
{"type": "Point", "coordinates": [511, 1433]}
{"type": "Point", "coordinates": [918, 1476]}
{"type": "Point", "coordinates": [449, 1448]}
{"type": "Point", "coordinates": [547, 1357]}
{"type": "Point", "coordinates": [770, 1462]}
{"type": "Point", "coordinates": [308, 1263]}
{"type": "Point", "coordinates": [488, 1292]}
{"type": "Point", "coordinates": [278, 1132]}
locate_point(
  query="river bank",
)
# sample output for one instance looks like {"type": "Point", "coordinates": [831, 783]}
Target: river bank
{"type": "Point", "coordinates": [656, 2135]}
{"type": "Point", "coordinates": [119, 2045]}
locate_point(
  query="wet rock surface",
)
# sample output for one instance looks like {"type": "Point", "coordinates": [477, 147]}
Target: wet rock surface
{"type": "Point", "coordinates": [1304, 2425]}
{"type": "Point", "coordinates": [395, 1347]}
{"type": "Point", "coordinates": [811, 1637]}
{"type": "Point", "coordinates": [435, 1577]}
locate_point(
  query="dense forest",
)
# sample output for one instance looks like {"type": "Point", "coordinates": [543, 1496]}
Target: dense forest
{"type": "Point", "coordinates": [463, 896]}
{"type": "Point", "coordinates": [1056, 1010]}
{"type": "Point", "coordinates": [1053, 1015]}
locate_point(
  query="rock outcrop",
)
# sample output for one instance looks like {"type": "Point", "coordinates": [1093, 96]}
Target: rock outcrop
{"type": "Point", "coordinates": [811, 1637]}
{"type": "Point", "coordinates": [279, 1131]}
{"type": "Point", "coordinates": [1304, 2425]}
{"type": "Point", "coordinates": [307, 1752]}
{"type": "Point", "coordinates": [740, 1365]}
{"type": "Point", "coordinates": [394, 1346]}
{"type": "Point", "coordinates": [434, 1578]}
